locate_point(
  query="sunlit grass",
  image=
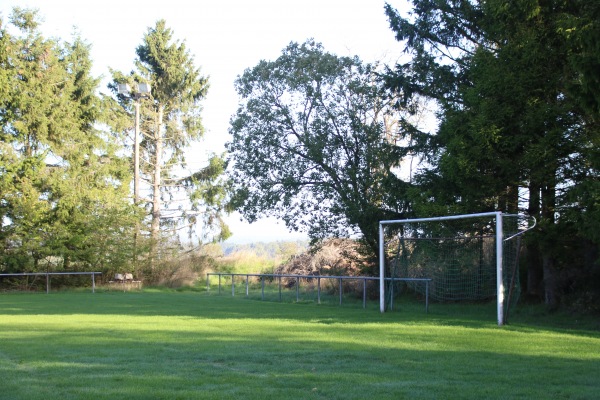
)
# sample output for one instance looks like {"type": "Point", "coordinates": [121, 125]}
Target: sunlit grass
{"type": "Point", "coordinates": [188, 345]}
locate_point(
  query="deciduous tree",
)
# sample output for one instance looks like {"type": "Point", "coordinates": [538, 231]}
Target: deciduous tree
{"type": "Point", "coordinates": [311, 145]}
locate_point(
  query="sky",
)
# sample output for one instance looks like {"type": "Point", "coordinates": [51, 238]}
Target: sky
{"type": "Point", "coordinates": [225, 37]}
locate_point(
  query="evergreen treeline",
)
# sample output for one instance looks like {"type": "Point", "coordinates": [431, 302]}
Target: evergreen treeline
{"type": "Point", "coordinates": [66, 156]}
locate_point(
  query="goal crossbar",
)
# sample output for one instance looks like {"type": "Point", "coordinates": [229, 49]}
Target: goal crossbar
{"type": "Point", "coordinates": [499, 254]}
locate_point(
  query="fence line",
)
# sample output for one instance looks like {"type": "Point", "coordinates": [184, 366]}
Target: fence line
{"type": "Point", "coordinates": [48, 274]}
{"type": "Point", "coordinates": [318, 278]}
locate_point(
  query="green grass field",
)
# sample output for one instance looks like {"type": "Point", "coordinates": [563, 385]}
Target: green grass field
{"type": "Point", "coordinates": [160, 344]}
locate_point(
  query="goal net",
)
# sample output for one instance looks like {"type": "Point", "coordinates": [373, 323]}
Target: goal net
{"type": "Point", "coordinates": [470, 257]}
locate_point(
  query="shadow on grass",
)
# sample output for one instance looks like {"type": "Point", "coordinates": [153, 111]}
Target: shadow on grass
{"type": "Point", "coordinates": [192, 303]}
{"type": "Point", "coordinates": [222, 348]}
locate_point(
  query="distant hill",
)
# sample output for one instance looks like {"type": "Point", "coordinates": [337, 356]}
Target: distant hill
{"type": "Point", "coordinates": [271, 250]}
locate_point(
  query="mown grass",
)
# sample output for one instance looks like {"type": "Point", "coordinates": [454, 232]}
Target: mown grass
{"type": "Point", "coordinates": [160, 344]}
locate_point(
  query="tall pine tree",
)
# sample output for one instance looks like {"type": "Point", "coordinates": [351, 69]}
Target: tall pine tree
{"type": "Point", "coordinates": [171, 122]}
{"type": "Point", "coordinates": [62, 184]}
{"type": "Point", "coordinates": [512, 132]}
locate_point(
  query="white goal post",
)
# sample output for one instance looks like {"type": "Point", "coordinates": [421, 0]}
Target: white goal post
{"type": "Point", "coordinates": [498, 233]}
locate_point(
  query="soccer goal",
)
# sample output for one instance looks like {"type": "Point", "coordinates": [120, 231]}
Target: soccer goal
{"type": "Point", "coordinates": [472, 257]}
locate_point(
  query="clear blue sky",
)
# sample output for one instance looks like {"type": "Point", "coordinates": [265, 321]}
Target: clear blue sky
{"type": "Point", "coordinates": [225, 37]}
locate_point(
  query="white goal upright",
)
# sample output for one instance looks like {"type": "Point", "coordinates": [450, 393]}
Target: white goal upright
{"type": "Point", "coordinates": [468, 257]}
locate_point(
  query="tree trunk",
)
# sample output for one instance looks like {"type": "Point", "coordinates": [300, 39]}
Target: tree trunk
{"type": "Point", "coordinates": [509, 200]}
{"type": "Point", "coordinates": [551, 295]}
{"type": "Point", "coordinates": [156, 183]}
{"type": "Point", "coordinates": [533, 260]}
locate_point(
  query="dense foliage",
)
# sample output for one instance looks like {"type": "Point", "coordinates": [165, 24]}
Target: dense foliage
{"type": "Point", "coordinates": [517, 89]}
{"type": "Point", "coordinates": [65, 177]}
{"type": "Point", "coordinates": [319, 141]}
{"type": "Point", "coordinates": [63, 188]}
{"type": "Point", "coordinates": [312, 145]}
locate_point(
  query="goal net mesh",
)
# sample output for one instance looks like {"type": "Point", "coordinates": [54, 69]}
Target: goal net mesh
{"type": "Point", "coordinates": [458, 255]}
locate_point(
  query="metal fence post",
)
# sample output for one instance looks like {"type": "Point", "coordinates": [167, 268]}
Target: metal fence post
{"type": "Point", "coordinates": [364, 293]}
{"type": "Point", "coordinates": [319, 290]}
{"type": "Point", "coordinates": [392, 294]}
{"type": "Point", "coordinates": [426, 296]}
{"type": "Point", "coordinates": [279, 287]}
